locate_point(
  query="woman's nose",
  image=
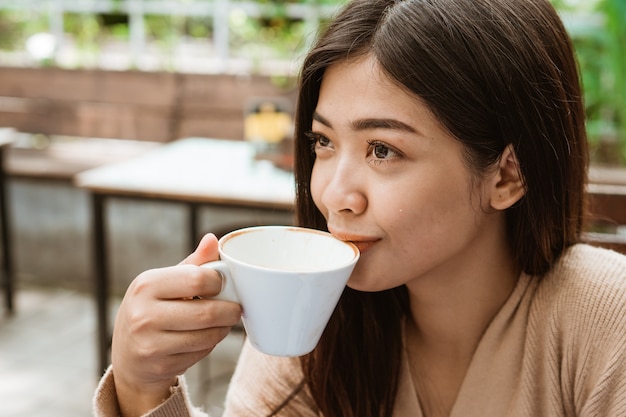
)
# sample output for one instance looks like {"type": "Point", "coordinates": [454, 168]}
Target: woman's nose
{"type": "Point", "coordinates": [344, 193]}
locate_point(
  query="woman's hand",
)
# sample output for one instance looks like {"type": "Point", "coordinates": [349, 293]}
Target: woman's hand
{"type": "Point", "coordinates": [161, 331]}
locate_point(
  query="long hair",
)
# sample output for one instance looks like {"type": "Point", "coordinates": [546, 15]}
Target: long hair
{"type": "Point", "coordinates": [495, 73]}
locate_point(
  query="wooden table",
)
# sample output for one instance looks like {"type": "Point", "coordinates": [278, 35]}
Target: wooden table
{"type": "Point", "coordinates": [193, 172]}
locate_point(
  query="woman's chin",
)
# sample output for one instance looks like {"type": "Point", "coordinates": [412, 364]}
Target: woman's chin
{"type": "Point", "coordinates": [364, 285]}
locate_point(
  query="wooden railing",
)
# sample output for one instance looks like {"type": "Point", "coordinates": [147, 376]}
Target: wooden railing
{"type": "Point", "coordinates": [153, 106]}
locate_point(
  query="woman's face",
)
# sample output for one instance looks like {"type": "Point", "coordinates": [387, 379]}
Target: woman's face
{"type": "Point", "coordinates": [388, 177]}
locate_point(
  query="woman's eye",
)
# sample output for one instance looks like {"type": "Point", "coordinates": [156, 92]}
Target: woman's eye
{"type": "Point", "coordinates": [379, 151]}
{"type": "Point", "coordinates": [323, 141]}
{"type": "Point", "coordinates": [318, 141]}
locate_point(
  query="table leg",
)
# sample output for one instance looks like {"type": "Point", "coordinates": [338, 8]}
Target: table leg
{"type": "Point", "coordinates": [101, 285]}
{"type": "Point", "coordinates": [7, 267]}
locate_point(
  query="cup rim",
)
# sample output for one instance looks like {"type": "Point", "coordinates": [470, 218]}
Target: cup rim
{"type": "Point", "coordinates": [325, 234]}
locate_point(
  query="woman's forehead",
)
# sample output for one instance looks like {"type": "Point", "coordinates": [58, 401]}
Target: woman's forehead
{"type": "Point", "coordinates": [361, 87]}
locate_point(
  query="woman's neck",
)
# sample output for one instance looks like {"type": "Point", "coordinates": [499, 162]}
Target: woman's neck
{"type": "Point", "coordinates": [452, 306]}
{"type": "Point", "coordinates": [450, 313]}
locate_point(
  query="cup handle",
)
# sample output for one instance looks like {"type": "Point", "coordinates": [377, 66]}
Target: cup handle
{"type": "Point", "coordinates": [227, 292]}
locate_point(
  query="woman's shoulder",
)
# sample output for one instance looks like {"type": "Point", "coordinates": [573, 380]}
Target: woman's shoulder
{"type": "Point", "coordinates": [586, 287]}
{"type": "Point", "coordinates": [588, 268]}
{"type": "Point", "coordinates": [577, 332]}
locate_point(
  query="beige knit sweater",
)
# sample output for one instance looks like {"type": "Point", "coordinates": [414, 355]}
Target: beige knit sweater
{"type": "Point", "coordinates": [556, 348]}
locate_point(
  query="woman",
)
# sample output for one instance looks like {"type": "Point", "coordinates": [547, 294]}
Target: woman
{"type": "Point", "coordinates": [446, 139]}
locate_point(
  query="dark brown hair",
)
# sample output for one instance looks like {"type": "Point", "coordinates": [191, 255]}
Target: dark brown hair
{"type": "Point", "coordinates": [495, 73]}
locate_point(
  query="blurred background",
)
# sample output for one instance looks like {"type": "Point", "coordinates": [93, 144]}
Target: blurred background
{"type": "Point", "coordinates": [87, 84]}
{"type": "Point", "coordinates": [265, 37]}
{"type": "Point", "coordinates": [173, 35]}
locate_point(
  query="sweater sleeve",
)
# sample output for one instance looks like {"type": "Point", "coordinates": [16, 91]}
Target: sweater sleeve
{"type": "Point", "coordinates": [603, 370]}
{"type": "Point", "coordinates": [263, 383]}
{"type": "Point", "coordinates": [597, 360]}
{"type": "Point", "coordinates": [105, 402]}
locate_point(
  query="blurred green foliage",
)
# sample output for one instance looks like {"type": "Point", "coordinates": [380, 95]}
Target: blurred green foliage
{"type": "Point", "coordinates": [255, 37]}
{"type": "Point", "coordinates": [10, 29]}
{"type": "Point", "coordinates": [16, 26]}
{"type": "Point", "coordinates": [600, 44]}
{"type": "Point", "coordinates": [85, 28]}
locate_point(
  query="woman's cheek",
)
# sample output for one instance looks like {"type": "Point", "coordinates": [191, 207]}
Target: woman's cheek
{"type": "Point", "coordinates": [317, 190]}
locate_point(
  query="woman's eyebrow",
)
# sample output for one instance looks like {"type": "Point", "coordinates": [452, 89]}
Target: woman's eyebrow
{"type": "Point", "coordinates": [318, 117]}
{"type": "Point", "coordinates": [370, 123]}
{"type": "Point", "coordinates": [392, 124]}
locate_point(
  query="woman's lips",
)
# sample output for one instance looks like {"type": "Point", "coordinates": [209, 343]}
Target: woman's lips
{"type": "Point", "coordinates": [363, 243]}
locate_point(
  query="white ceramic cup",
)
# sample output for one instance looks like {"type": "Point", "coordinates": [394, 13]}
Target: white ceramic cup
{"type": "Point", "coordinates": [288, 281]}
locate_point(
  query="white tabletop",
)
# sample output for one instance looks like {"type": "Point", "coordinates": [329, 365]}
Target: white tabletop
{"type": "Point", "coordinates": [196, 170]}
{"type": "Point", "coordinates": [7, 136]}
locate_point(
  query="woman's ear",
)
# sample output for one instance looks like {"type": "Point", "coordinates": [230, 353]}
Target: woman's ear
{"type": "Point", "coordinates": [507, 183]}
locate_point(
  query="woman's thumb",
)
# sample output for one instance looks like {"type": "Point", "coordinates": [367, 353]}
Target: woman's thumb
{"type": "Point", "coordinates": [205, 252]}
